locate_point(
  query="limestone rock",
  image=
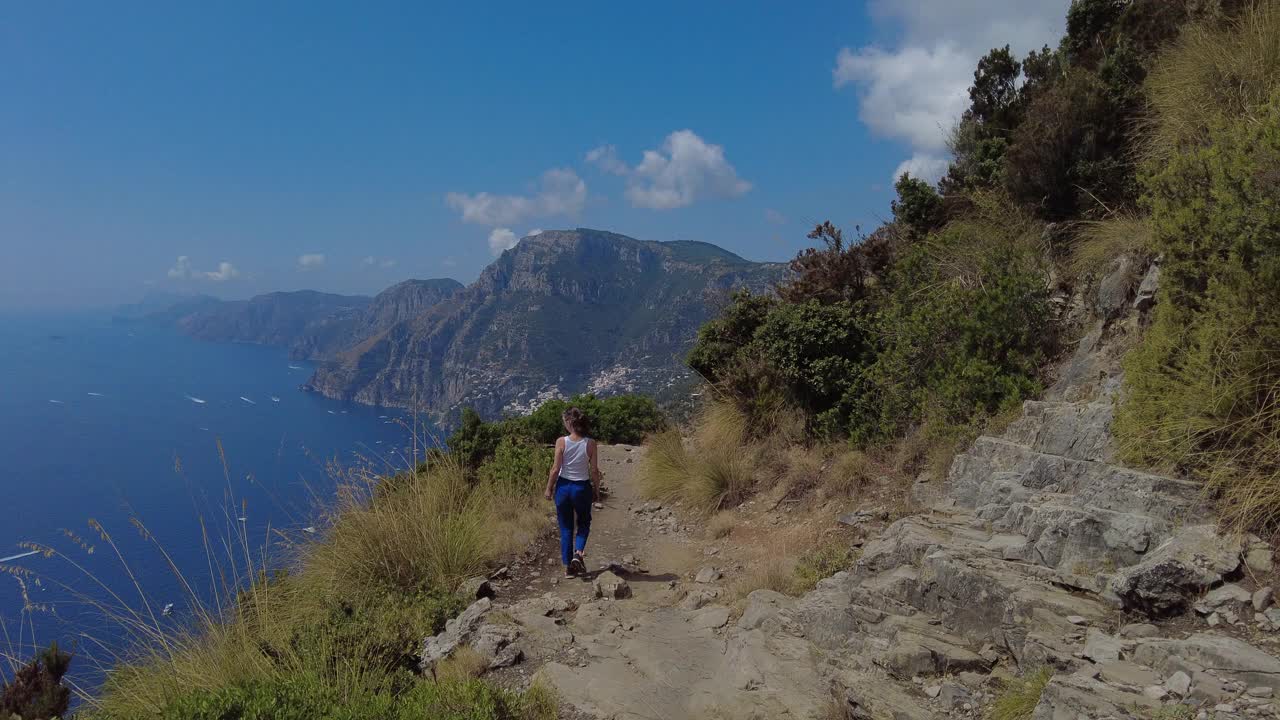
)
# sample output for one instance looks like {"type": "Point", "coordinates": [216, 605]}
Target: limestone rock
{"type": "Point", "coordinates": [456, 631]}
{"type": "Point", "coordinates": [1195, 557]}
{"type": "Point", "coordinates": [1258, 557]}
{"type": "Point", "coordinates": [1113, 290]}
{"type": "Point", "coordinates": [707, 575]}
{"type": "Point", "coordinates": [608, 585]}
{"type": "Point", "coordinates": [1261, 600]}
{"type": "Point", "coordinates": [1146, 295]}
{"type": "Point", "coordinates": [1228, 595]}
{"type": "Point", "coordinates": [1101, 647]}
{"type": "Point", "coordinates": [476, 588]}
{"type": "Point", "coordinates": [1178, 683]}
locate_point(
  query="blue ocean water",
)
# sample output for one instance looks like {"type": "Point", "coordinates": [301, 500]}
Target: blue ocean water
{"type": "Point", "coordinates": [122, 424]}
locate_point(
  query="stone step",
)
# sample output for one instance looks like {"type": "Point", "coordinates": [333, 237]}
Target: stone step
{"type": "Point", "coordinates": [1063, 535]}
{"type": "Point", "coordinates": [996, 470]}
{"type": "Point", "coordinates": [1080, 431]}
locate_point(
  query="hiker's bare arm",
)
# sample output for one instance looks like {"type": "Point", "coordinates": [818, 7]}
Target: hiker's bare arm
{"type": "Point", "coordinates": [555, 468]}
{"type": "Point", "coordinates": [594, 451]}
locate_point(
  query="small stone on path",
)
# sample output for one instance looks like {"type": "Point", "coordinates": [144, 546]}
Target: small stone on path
{"type": "Point", "coordinates": [608, 585]}
{"type": "Point", "coordinates": [707, 574]}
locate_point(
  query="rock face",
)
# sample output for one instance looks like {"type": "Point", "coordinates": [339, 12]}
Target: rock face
{"type": "Point", "coordinates": [562, 312]}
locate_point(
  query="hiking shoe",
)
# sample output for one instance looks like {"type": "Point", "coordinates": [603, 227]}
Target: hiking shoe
{"type": "Point", "coordinates": [576, 565]}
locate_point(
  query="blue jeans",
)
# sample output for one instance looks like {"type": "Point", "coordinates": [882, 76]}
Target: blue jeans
{"type": "Point", "coordinates": [573, 502]}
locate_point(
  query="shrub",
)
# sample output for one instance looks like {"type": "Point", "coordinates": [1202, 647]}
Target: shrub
{"type": "Point", "coordinates": [36, 690]}
{"type": "Point", "coordinates": [1201, 390]}
{"type": "Point", "coordinates": [964, 329]}
{"type": "Point", "coordinates": [721, 524]}
{"type": "Point", "coordinates": [850, 472]}
{"type": "Point", "coordinates": [517, 467]}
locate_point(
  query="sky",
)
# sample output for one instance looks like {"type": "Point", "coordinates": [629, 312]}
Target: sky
{"type": "Point", "coordinates": [233, 148]}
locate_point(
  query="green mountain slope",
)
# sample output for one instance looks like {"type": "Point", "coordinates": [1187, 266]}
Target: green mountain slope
{"type": "Point", "coordinates": [562, 312]}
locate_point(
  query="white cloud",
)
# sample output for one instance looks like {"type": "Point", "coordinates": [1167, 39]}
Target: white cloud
{"type": "Point", "coordinates": [226, 271]}
{"type": "Point", "coordinates": [384, 263]}
{"type": "Point", "coordinates": [181, 270]}
{"type": "Point", "coordinates": [684, 170]}
{"type": "Point", "coordinates": [606, 158]}
{"type": "Point", "coordinates": [502, 239]}
{"type": "Point", "coordinates": [310, 261]}
{"type": "Point", "coordinates": [773, 217]}
{"type": "Point", "coordinates": [915, 88]}
{"type": "Point", "coordinates": [559, 192]}
{"type": "Point", "coordinates": [923, 166]}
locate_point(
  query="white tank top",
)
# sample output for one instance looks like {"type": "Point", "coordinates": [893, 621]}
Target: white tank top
{"type": "Point", "coordinates": [576, 466]}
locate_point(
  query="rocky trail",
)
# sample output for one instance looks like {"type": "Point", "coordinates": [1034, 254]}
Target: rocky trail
{"type": "Point", "coordinates": [1037, 551]}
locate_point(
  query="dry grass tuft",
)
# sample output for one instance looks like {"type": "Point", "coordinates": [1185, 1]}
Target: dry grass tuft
{"type": "Point", "coordinates": [1099, 243]}
{"type": "Point", "coordinates": [717, 469]}
{"type": "Point", "coordinates": [466, 663]}
{"type": "Point", "coordinates": [721, 524]}
{"type": "Point", "coordinates": [1019, 699]}
{"type": "Point", "coordinates": [851, 471]}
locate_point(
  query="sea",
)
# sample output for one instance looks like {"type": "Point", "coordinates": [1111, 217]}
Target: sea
{"type": "Point", "coordinates": [142, 472]}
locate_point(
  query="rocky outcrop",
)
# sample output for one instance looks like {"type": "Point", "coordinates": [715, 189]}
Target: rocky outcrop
{"type": "Point", "coordinates": [1039, 552]}
{"type": "Point", "coordinates": [560, 313]}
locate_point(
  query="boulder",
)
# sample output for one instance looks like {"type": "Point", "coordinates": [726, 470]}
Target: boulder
{"type": "Point", "coordinates": [1113, 290]}
{"type": "Point", "coordinates": [456, 631]}
{"type": "Point", "coordinates": [1229, 595]}
{"type": "Point", "coordinates": [1178, 683]}
{"type": "Point", "coordinates": [476, 588]}
{"type": "Point", "coordinates": [707, 574]}
{"type": "Point", "coordinates": [610, 586]}
{"type": "Point", "coordinates": [1146, 295]}
{"type": "Point", "coordinates": [1261, 600]}
{"type": "Point", "coordinates": [1194, 558]}
{"type": "Point", "coordinates": [1101, 647]}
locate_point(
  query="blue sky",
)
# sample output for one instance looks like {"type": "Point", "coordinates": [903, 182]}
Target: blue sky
{"type": "Point", "coordinates": [238, 147]}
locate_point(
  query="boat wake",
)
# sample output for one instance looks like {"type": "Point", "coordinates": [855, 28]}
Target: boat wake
{"type": "Point", "coordinates": [57, 402]}
{"type": "Point", "coordinates": [19, 556]}
{"type": "Point", "coordinates": [94, 394]}
{"type": "Point", "coordinates": [196, 400]}
{"type": "Point", "coordinates": [248, 400]}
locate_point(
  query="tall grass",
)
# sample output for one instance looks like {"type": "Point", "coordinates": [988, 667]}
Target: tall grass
{"type": "Point", "coordinates": [1212, 73]}
{"type": "Point", "coordinates": [1099, 243]}
{"type": "Point", "coordinates": [332, 620]}
{"type": "Point", "coordinates": [713, 471]}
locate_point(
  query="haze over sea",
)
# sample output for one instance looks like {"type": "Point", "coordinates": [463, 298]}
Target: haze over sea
{"type": "Point", "coordinates": [103, 421]}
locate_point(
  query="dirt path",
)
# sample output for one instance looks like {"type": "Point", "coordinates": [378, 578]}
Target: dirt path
{"type": "Point", "coordinates": [665, 648]}
{"type": "Point", "coordinates": [620, 535]}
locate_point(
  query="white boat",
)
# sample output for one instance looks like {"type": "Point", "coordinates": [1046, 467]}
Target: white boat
{"type": "Point", "coordinates": [311, 529]}
{"type": "Point", "coordinates": [275, 399]}
{"type": "Point", "coordinates": [168, 610]}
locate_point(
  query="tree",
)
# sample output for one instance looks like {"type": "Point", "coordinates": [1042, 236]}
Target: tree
{"type": "Point", "coordinates": [37, 692]}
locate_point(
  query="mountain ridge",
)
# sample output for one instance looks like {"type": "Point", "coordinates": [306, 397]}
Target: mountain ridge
{"type": "Point", "coordinates": [562, 312]}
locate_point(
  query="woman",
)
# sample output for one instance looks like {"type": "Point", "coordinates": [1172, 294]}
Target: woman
{"type": "Point", "coordinates": [574, 483]}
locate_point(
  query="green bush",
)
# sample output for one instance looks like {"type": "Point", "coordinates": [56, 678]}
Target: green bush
{"type": "Point", "coordinates": [517, 466]}
{"type": "Point", "coordinates": [1202, 389]}
{"type": "Point", "coordinates": [625, 419]}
